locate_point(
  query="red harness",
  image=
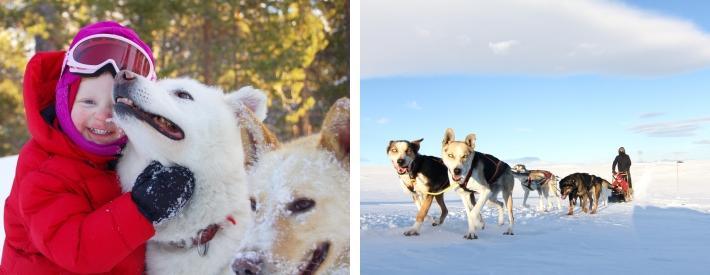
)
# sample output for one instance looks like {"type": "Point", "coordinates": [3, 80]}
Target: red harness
{"type": "Point", "coordinates": [547, 175]}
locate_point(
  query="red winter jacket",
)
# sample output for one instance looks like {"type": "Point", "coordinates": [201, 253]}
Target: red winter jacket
{"type": "Point", "coordinates": [65, 213]}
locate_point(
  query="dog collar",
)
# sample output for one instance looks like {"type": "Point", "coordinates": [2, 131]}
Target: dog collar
{"type": "Point", "coordinates": [202, 239]}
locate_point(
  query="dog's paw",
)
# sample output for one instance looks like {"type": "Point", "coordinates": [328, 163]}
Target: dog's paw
{"type": "Point", "coordinates": [470, 236]}
{"type": "Point", "coordinates": [509, 232]}
{"type": "Point", "coordinates": [569, 213]}
{"type": "Point", "coordinates": [411, 232]}
{"type": "Point", "coordinates": [435, 224]}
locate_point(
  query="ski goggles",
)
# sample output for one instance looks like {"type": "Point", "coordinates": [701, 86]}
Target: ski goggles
{"type": "Point", "coordinates": [92, 53]}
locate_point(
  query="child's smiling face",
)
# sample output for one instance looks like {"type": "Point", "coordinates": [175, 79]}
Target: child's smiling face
{"type": "Point", "coordinates": [91, 113]}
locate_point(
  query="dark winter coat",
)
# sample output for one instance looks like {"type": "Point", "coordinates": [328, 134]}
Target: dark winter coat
{"type": "Point", "coordinates": [623, 161]}
{"type": "Point", "coordinates": [65, 213]}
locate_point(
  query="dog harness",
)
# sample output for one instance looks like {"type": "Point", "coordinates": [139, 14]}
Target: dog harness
{"type": "Point", "coordinates": [202, 238]}
{"type": "Point", "coordinates": [547, 176]}
{"type": "Point", "coordinates": [492, 170]}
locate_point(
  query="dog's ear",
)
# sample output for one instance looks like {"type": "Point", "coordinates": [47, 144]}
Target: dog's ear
{"type": "Point", "coordinates": [335, 133]}
{"type": "Point", "coordinates": [471, 140]}
{"type": "Point", "coordinates": [389, 146]}
{"type": "Point", "coordinates": [416, 144]}
{"type": "Point", "coordinates": [249, 106]}
{"type": "Point", "coordinates": [253, 99]}
{"type": "Point", "coordinates": [448, 136]}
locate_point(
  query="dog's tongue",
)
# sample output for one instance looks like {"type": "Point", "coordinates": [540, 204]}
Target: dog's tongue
{"type": "Point", "coordinates": [401, 170]}
{"type": "Point", "coordinates": [457, 177]}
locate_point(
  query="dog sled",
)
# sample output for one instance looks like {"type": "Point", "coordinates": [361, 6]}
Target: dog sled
{"type": "Point", "coordinates": [620, 191]}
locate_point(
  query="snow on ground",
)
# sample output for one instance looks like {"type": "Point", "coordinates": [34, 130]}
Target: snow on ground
{"type": "Point", "coordinates": [7, 174]}
{"type": "Point", "coordinates": [665, 230]}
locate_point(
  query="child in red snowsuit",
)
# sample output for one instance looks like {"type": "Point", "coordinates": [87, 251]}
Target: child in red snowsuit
{"type": "Point", "coordinates": [66, 213]}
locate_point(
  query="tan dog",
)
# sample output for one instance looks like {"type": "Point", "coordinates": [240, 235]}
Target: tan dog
{"type": "Point", "coordinates": [301, 195]}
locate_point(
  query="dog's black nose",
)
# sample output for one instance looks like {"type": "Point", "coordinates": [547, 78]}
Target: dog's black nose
{"type": "Point", "coordinates": [250, 265]}
{"type": "Point", "coordinates": [457, 171]}
{"type": "Point", "coordinates": [400, 162]}
{"type": "Point", "coordinates": [125, 76]}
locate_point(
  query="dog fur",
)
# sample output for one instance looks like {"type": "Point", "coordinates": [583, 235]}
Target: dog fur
{"type": "Point", "coordinates": [459, 158]}
{"type": "Point", "coordinates": [585, 187]}
{"type": "Point", "coordinates": [210, 146]}
{"type": "Point", "coordinates": [536, 180]}
{"type": "Point", "coordinates": [419, 175]}
{"type": "Point", "coordinates": [301, 195]}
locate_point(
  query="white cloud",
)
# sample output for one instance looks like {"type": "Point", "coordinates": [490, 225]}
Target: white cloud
{"type": "Point", "coordinates": [417, 37]}
{"type": "Point", "coordinates": [382, 120]}
{"type": "Point", "coordinates": [502, 47]}
{"type": "Point", "coordinates": [414, 105]}
{"type": "Point", "coordinates": [681, 128]}
{"type": "Point", "coordinates": [651, 114]}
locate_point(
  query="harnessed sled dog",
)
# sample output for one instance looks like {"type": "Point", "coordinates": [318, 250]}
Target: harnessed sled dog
{"type": "Point", "coordinates": [424, 177]}
{"type": "Point", "coordinates": [586, 187]}
{"type": "Point", "coordinates": [482, 173]}
{"type": "Point", "coordinates": [542, 181]}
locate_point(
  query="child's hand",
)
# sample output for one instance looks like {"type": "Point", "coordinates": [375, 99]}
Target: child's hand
{"type": "Point", "coordinates": [161, 192]}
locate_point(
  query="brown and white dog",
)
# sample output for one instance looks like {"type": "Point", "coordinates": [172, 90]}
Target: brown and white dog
{"type": "Point", "coordinates": [542, 181]}
{"type": "Point", "coordinates": [301, 201]}
{"type": "Point", "coordinates": [482, 173]}
{"type": "Point", "coordinates": [420, 176]}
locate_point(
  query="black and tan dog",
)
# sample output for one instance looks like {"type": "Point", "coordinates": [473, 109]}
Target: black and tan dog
{"type": "Point", "coordinates": [420, 176]}
{"type": "Point", "coordinates": [586, 187]}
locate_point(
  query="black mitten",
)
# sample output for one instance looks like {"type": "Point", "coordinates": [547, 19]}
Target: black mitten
{"type": "Point", "coordinates": [160, 192]}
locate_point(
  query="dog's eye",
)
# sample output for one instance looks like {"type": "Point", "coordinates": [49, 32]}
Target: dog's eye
{"type": "Point", "coordinates": [300, 205]}
{"type": "Point", "coordinates": [183, 94]}
{"type": "Point", "coordinates": [464, 156]}
{"type": "Point", "coordinates": [451, 155]}
{"type": "Point", "coordinates": [394, 150]}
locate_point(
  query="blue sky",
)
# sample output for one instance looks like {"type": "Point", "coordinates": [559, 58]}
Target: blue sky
{"type": "Point", "coordinates": [651, 95]}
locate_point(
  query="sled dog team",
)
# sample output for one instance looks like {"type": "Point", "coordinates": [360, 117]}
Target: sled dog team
{"type": "Point", "coordinates": [258, 206]}
{"type": "Point", "coordinates": [471, 173]}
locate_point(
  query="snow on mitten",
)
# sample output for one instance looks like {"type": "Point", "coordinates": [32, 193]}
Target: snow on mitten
{"type": "Point", "coordinates": [161, 192]}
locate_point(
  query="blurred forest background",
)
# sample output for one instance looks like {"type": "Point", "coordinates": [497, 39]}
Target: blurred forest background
{"type": "Point", "coordinates": [295, 50]}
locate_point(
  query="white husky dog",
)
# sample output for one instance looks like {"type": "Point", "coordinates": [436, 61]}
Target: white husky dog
{"type": "Point", "coordinates": [301, 195]}
{"type": "Point", "coordinates": [180, 121]}
{"type": "Point", "coordinates": [542, 181]}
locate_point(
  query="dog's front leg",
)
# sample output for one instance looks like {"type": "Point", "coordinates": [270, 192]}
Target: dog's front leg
{"type": "Point", "coordinates": [417, 201]}
{"type": "Point", "coordinates": [585, 203]}
{"type": "Point", "coordinates": [416, 197]}
{"type": "Point", "coordinates": [414, 231]}
{"type": "Point", "coordinates": [540, 204]}
{"type": "Point", "coordinates": [475, 217]}
{"type": "Point", "coordinates": [444, 211]}
{"type": "Point", "coordinates": [571, 206]}
{"type": "Point", "coordinates": [525, 197]}
{"type": "Point", "coordinates": [546, 195]}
